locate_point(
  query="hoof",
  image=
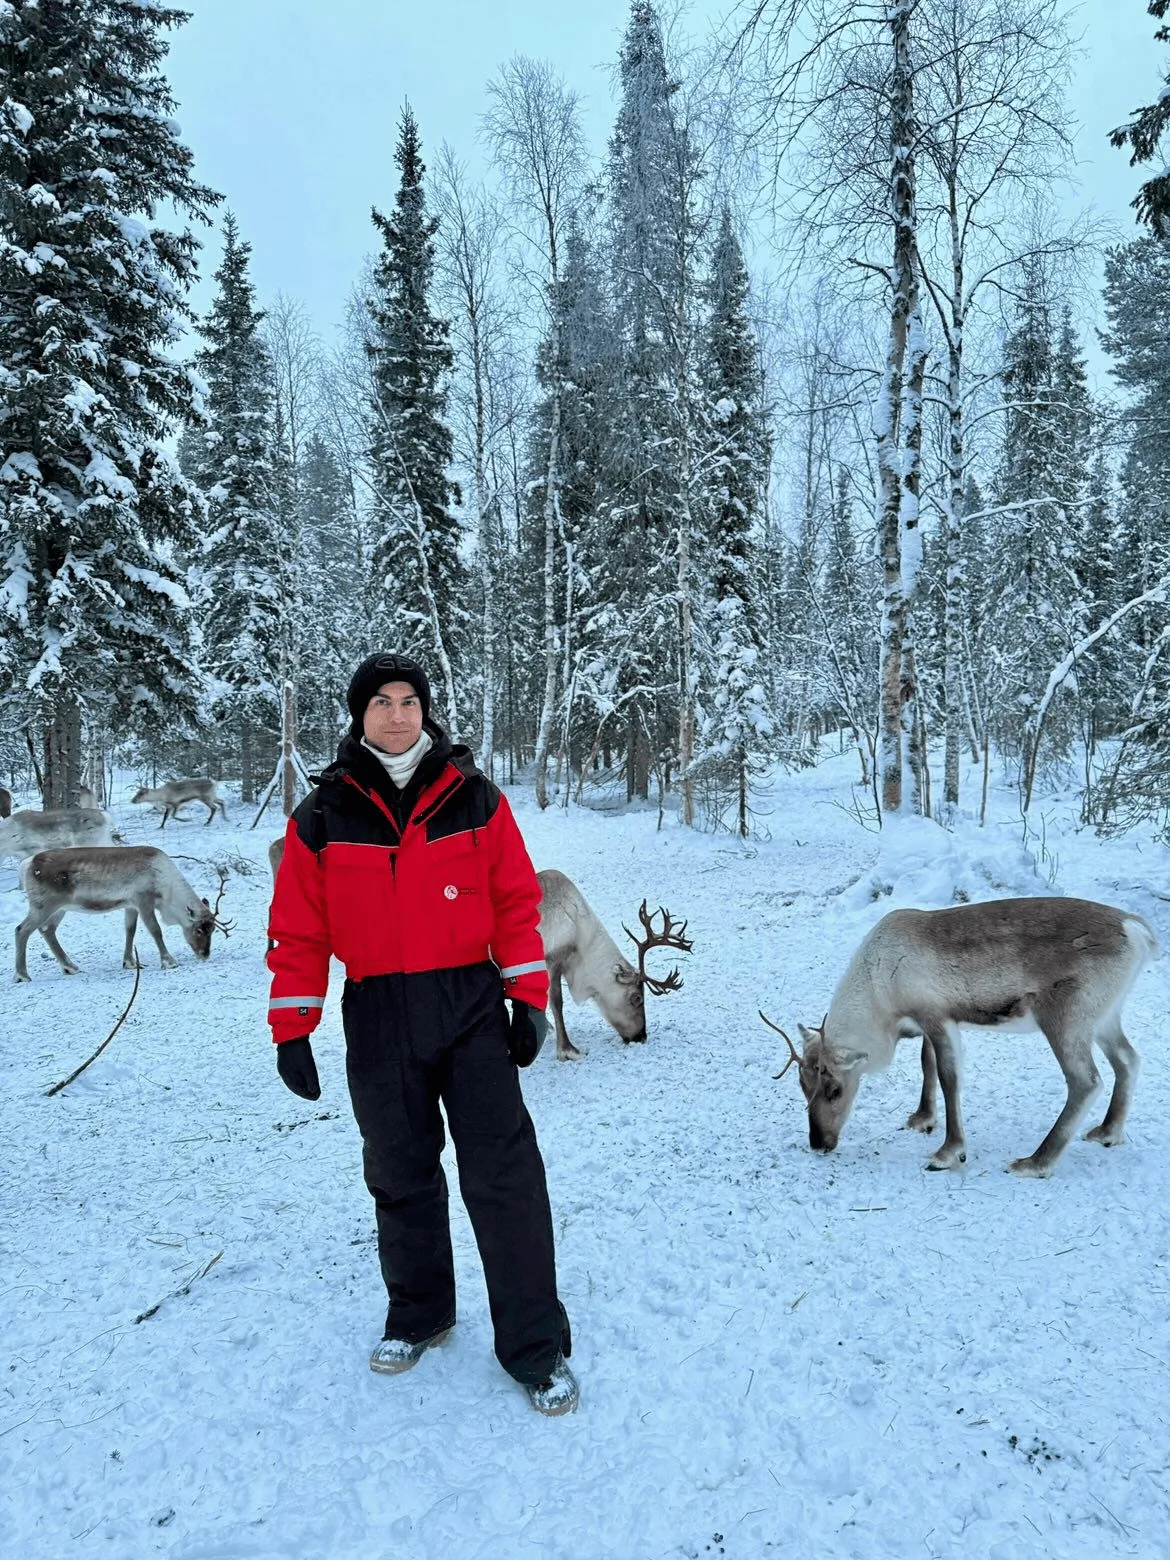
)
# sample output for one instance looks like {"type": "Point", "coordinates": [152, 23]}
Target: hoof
{"type": "Point", "coordinates": [69, 969]}
{"type": "Point", "coordinates": [1112, 1138]}
{"type": "Point", "coordinates": [950, 1161]}
{"type": "Point", "coordinates": [571, 1055]}
{"type": "Point", "coordinates": [23, 980]}
{"type": "Point", "coordinates": [1029, 1170]}
{"type": "Point", "coordinates": [919, 1123]}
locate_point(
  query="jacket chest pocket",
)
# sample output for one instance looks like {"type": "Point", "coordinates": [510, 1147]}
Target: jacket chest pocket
{"type": "Point", "coordinates": [457, 886]}
{"type": "Point", "coordinates": [357, 891]}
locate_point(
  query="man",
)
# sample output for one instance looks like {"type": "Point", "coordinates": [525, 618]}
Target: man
{"type": "Point", "coordinates": [406, 864]}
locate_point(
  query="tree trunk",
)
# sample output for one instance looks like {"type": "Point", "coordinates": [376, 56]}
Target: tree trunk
{"type": "Point", "coordinates": [247, 763]}
{"type": "Point", "coordinates": [887, 413]}
{"type": "Point", "coordinates": [62, 754]}
{"type": "Point", "coordinates": [551, 513]}
{"type": "Point", "coordinates": [288, 741]}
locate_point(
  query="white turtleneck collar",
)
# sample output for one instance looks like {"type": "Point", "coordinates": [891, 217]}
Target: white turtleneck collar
{"type": "Point", "coordinates": [400, 766]}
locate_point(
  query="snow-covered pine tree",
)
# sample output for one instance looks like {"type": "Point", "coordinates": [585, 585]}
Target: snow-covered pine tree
{"type": "Point", "coordinates": [1143, 135]}
{"type": "Point", "coordinates": [95, 517]}
{"type": "Point", "coordinates": [334, 628]}
{"type": "Point", "coordinates": [651, 182]}
{"type": "Point", "coordinates": [242, 579]}
{"type": "Point", "coordinates": [420, 581]}
{"type": "Point", "coordinates": [736, 725]}
{"type": "Point", "coordinates": [1137, 307]}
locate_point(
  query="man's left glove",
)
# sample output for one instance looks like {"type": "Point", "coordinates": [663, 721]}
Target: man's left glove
{"type": "Point", "coordinates": [526, 1033]}
{"type": "Point", "coordinates": [295, 1064]}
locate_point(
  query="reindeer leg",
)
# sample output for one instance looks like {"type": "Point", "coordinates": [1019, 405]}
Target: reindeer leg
{"type": "Point", "coordinates": [23, 932]}
{"type": "Point", "coordinates": [129, 962]}
{"type": "Point", "coordinates": [923, 1118]}
{"type": "Point", "coordinates": [566, 1050]}
{"type": "Point", "coordinates": [210, 813]}
{"type": "Point", "coordinates": [1074, 1051]}
{"type": "Point", "coordinates": [150, 921]}
{"type": "Point", "coordinates": [165, 816]}
{"type": "Point", "coordinates": [1125, 1063]}
{"type": "Point", "coordinates": [953, 1152]}
{"type": "Point", "coordinates": [49, 933]}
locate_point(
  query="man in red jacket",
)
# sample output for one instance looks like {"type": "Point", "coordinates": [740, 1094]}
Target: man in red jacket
{"type": "Point", "coordinates": [406, 864]}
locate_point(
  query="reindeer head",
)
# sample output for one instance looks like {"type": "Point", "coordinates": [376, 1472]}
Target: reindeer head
{"type": "Point", "coordinates": [829, 1081]}
{"type": "Point", "coordinates": [202, 919]}
{"type": "Point", "coordinates": [635, 982]}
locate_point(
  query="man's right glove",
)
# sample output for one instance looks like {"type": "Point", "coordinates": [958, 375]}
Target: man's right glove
{"type": "Point", "coordinates": [295, 1064]}
{"type": "Point", "coordinates": [526, 1033]}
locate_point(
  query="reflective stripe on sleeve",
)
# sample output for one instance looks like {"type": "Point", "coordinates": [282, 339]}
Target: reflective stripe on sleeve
{"type": "Point", "coordinates": [295, 1002]}
{"type": "Point", "coordinates": [514, 970]}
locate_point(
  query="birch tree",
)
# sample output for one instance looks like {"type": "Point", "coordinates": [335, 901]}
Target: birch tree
{"type": "Point", "coordinates": [534, 132]}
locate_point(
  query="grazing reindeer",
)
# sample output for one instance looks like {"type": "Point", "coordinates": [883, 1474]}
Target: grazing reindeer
{"type": "Point", "coordinates": [27, 831]}
{"type": "Point", "coordinates": [5, 803]}
{"type": "Point", "coordinates": [176, 793]}
{"type": "Point", "coordinates": [1064, 966]}
{"type": "Point", "coordinates": [578, 949]}
{"type": "Point", "coordinates": [138, 879]}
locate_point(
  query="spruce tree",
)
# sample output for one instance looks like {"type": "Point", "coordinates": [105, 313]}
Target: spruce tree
{"type": "Point", "coordinates": [245, 572]}
{"type": "Point", "coordinates": [736, 724]}
{"type": "Point", "coordinates": [95, 517]}
{"type": "Point", "coordinates": [420, 583]}
{"type": "Point", "coordinates": [1143, 135]}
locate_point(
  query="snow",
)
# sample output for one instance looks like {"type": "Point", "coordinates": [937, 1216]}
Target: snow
{"type": "Point", "coordinates": [780, 1353]}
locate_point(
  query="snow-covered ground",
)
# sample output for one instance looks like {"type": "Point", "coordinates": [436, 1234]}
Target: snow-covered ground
{"type": "Point", "coordinates": [780, 1353]}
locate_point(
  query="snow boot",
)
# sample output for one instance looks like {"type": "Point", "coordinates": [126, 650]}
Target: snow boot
{"type": "Point", "coordinates": [394, 1355]}
{"type": "Point", "coordinates": [560, 1394]}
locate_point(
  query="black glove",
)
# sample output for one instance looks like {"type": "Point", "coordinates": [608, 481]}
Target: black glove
{"type": "Point", "coordinates": [295, 1064]}
{"type": "Point", "coordinates": [526, 1033]}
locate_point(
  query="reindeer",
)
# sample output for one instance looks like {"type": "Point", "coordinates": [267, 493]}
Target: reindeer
{"type": "Point", "coordinates": [276, 855]}
{"type": "Point", "coordinates": [5, 803]}
{"type": "Point", "coordinates": [176, 793]}
{"type": "Point", "coordinates": [578, 949]}
{"type": "Point", "coordinates": [1064, 966]}
{"type": "Point", "coordinates": [26, 831]}
{"type": "Point", "coordinates": [138, 879]}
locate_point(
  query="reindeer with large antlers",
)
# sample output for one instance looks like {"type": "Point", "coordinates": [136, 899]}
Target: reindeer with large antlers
{"type": "Point", "coordinates": [579, 950]}
{"type": "Point", "coordinates": [138, 879]}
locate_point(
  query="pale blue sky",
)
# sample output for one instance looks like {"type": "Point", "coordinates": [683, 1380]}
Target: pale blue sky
{"type": "Point", "coordinates": [291, 107]}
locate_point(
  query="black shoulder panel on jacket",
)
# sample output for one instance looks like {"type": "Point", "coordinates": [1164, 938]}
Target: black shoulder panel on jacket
{"type": "Point", "coordinates": [310, 822]}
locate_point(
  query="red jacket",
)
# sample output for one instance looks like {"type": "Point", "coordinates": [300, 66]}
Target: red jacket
{"type": "Point", "coordinates": [453, 886]}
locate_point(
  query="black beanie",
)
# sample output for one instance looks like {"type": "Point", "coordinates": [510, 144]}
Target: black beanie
{"type": "Point", "coordinates": [377, 670]}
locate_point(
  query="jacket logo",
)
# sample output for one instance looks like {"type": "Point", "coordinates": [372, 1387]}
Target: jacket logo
{"type": "Point", "coordinates": [450, 892]}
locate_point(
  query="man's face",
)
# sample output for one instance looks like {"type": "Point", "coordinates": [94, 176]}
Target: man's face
{"type": "Point", "coordinates": [393, 718]}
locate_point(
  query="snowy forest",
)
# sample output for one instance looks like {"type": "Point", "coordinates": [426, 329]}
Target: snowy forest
{"type": "Point", "coordinates": [773, 424]}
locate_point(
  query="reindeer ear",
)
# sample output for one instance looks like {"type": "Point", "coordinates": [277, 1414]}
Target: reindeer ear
{"type": "Point", "coordinates": [808, 1035]}
{"type": "Point", "coordinates": [849, 1061]}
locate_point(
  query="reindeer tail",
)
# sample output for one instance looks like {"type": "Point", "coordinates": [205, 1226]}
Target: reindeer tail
{"type": "Point", "coordinates": [1143, 937]}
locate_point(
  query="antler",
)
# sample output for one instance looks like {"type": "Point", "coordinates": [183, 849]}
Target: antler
{"type": "Point", "coordinates": [671, 936]}
{"type": "Point", "coordinates": [793, 1053]}
{"type": "Point", "coordinates": [223, 926]}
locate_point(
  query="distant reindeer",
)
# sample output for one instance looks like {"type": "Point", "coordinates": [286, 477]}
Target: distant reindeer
{"type": "Point", "coordinates": [1064, 966]}
{"type": "Point", "coordinates": [176, 793]}
{"type": "Point", "coordinates": [86, 797]}
{"type": "Point", "coordinates": [5, 803]}
{"type": "Point", "coordinates": [138, 879]}
{"type": "Point", "coordinates": [579, 950]}
{"type": "Point", "coordinates": [27, 831]}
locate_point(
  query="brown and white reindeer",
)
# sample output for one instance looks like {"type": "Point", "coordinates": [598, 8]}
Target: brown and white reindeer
{"type": "Point", "coordinates": [177, 793]}
{"type": "Point", "coordinates": [579, 950]}
{"type": "Point", "coordinates": [27, 831]}
{"type": "Point", "coordinates": [142, 881]}
{"type": "Point", "coordinates": [1063, 966]}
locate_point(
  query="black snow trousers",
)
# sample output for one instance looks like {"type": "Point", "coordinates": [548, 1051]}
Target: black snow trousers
{"type": "Point", "coordinates": [411, 1042]}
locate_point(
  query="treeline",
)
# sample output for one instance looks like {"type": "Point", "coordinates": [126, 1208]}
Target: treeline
{"type": "Point", "coordinates": [774, 422]}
